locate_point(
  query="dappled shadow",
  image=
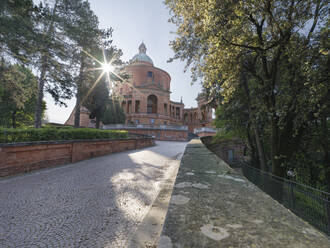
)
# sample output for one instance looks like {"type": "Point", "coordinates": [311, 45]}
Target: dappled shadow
{"type": "Point", "coordinates": [92, 203]}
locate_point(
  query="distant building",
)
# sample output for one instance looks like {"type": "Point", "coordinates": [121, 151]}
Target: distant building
{"type": "Point", "coordinates": [146, 98]}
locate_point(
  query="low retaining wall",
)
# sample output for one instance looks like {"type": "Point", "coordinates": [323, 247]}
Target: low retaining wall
{"type": "Point", "coordinates": [170, 135]}
{"type": "Point", "coordinates": [24, 157]}
{"type": "Point", "coordinates": [213, 206]}
{"type": "Point", "coordinates": [159, 132]}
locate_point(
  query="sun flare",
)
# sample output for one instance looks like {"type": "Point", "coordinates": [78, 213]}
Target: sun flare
{"type": "Point", "coordinates": [107, 67]}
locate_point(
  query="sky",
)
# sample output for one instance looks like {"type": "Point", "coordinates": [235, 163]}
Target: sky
{"type": "Point", "coordinates": [135, 21]}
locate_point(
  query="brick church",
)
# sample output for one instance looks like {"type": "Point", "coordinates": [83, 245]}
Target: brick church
{"type": "Point", "coordinates": [146, 99]}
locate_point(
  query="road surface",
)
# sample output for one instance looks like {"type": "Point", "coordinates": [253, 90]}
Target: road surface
{"type": "Point", "coordinates": [93, 203]}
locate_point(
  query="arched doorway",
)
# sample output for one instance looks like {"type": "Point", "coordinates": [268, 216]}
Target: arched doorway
{"type": "Point", "coordinates": [152, 104]}
{"type": "Point", "coordinates": [195, 117]}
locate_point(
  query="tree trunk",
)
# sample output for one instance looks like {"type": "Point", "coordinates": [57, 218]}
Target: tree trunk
{"type": "Point", "coordinates": [41, 84]}
{"type": "Point", "coordinates": [251, 142]}
{"type": "Point", "coordinates": [79, 92]}
{"type": "Point", "coordinates": [255, 128]}
{"type": "Point", "coordinates": [277, 169]}
{"type": "Point", "coordinates": [260, 149]}
{"type": "Point", "coordinates": [98, 120]}
{"type": "Point", "coordinates": [77, 110]}
{"type": "Point", "coordinates": [13, 119]}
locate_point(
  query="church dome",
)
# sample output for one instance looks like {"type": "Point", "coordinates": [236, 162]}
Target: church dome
{"type": "Point", "coordinates": [142, 56]}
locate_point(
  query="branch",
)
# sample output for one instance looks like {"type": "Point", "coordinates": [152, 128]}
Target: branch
{"type": "Point", "coordinates": [272, 18]}
{"type": "Point", "coordinates": [316, 17]}
{"type": "Point", "coordinates": [242, 45]}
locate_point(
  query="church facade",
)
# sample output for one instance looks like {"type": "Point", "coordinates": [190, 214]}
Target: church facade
{"type": "Point", "coordinates": [145, 99]}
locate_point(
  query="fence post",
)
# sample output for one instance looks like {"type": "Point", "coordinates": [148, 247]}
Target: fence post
{"type": "Point", "coordinates": [292, 196]}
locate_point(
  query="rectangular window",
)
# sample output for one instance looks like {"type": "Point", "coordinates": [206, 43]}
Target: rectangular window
{"type": "Point", "coordinates": [152, 121]}
{"type": "Point", "coordinates": [150, 74]}
{"type": "Point", "coordinates": [137, 122]}
{"type": "Point", "coordinates": [165, 109]}
{"type": "Point", "coordinates": [137, 106]}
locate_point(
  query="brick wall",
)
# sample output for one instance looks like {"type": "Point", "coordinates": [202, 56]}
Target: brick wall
{"type": "Point", "coordinates": [24, 157]}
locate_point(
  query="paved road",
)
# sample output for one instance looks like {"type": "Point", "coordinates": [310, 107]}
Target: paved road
{"type": "Point", "coordinates": [94, 203]}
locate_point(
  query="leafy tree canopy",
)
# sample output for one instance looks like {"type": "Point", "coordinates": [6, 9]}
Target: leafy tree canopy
{"type": "Point", "coordinates": [17, 101]}
{"type": "Point", "coordinates": [268, 56]}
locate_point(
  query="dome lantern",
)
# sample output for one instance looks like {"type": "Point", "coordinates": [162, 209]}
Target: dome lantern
{"type": "Point", "coordinates": [142, 48]}
{"type": "Point", "coordinates": [142, 56]}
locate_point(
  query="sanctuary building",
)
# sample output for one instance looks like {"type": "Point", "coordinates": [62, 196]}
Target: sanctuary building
{"type": "Point", "coordinates": [145, 99]}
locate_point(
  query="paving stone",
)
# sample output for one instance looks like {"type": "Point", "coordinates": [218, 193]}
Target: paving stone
{"type": "Point", "coordinates": [94, 203]}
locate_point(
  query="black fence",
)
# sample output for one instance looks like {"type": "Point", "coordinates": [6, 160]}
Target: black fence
{"type": "Point", "coordinates": [310, 204]}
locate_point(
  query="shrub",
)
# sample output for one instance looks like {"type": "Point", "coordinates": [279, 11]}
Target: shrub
{"type": "Point", "coordinates": [9, 135]}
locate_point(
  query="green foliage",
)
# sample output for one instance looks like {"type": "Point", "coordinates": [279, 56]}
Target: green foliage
{"type": "Point", "coordinates": [56, 134]}
{"type": "Point", "coordinates": [16, 29]}
{"type": "Point", "coordinates": [113, 113]}
{"type": "Point", "coordinates": [267, 63]}
{"type": "Point", "coordinates": [97, 100]}
{"type": "Point", "coordinates": [18, 98]}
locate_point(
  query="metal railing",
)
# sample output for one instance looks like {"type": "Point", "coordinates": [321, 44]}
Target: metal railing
{"type": "Point", "coordinates": [310, 204]}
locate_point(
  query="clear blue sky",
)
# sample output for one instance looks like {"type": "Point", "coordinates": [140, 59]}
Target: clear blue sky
{"type": "Point", "coordinates": [134, 21]}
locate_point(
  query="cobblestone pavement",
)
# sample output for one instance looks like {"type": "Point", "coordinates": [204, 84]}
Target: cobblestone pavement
{"type": "Point", "coordinates": [94, 203]}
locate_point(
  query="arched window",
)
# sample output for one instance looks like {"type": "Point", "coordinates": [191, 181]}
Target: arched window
{"type": "Point", "coordinates": [203, 112]}
{"type": "Point", "coordinates": [152, 104]}
{"type": "Point", "coordinates": [185, 117]}
{"type": "Point", "coordinates": [203, 116]}
{"type": "Point", "coordinates": [123, 106]}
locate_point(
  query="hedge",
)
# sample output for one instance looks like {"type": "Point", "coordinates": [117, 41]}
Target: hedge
{"type": "Point", "coordinates": [10, 135]}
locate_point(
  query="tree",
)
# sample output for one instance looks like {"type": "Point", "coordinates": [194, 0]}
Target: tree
{"type": "Point", "coordinates": [273, 42]}
{"type": "Point", "coordinates": [32, 35]}
{"type": "Point", "coordinates": [97, 98]}
{"type": "Point", "coordinates": [113, 114]}
{"type": "Point", "coordinates": [17, 102]}
{"type": "Point", "coordinates": [82, 29]}
{"type": "Point", "coordinates": [16, 30]}
{"type": "Point", "coordinates": [53, 57]}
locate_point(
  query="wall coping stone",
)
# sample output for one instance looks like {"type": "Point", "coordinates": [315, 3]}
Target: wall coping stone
{"type": "Point", "coordinates": [146, 126]}
{"type": "Point", "coordinates": [52, 142]}
{"type": "Point", "coordinates": [212, 205]}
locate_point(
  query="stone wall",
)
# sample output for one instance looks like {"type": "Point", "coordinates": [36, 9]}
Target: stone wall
{"type": "Point", "coordinates": [24, 157]}
{"type": "Point", "coordinates": [205, 134]}
{"type": "Point", "coordinates": [221, 149]}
